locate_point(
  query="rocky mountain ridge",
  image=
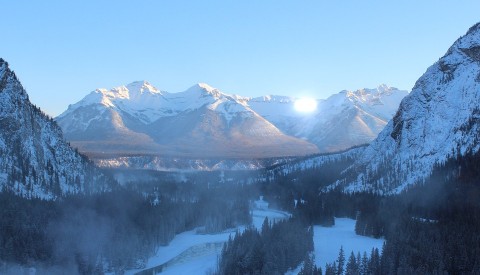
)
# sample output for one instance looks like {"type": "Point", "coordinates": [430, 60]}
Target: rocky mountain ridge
{"type": "Point", "coordinates": [203, 122]}
{"type": "Point", "coordinates": [35, 160]}
{"type": "Point", "coordinates": [438, 120]}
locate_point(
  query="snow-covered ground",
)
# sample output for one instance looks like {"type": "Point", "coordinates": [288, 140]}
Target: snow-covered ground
{"type": "Point", "coordinates": [192, 253]}
{"type": "Point", "coordinates": [328, 240]}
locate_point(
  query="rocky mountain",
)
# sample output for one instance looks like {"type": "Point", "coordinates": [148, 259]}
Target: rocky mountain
{"type": "Point", "coordinates": [35, 160]}
{"type": "Point", "coordinates": [440, 119]}
{"type": "Point", "coordinates": [138, 119]}
{"type": "Point", "coordinates": [343, 120]}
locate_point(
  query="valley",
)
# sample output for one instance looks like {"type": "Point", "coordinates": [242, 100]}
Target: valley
{"type": "Point", "coordinates": [137, 180]}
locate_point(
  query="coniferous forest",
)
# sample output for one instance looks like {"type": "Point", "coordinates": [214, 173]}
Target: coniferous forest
{"type": "Point", "coordinates": [431, 228]}
{"type": "Point", "coordinates": [273, 250]}
{"type": "Point", "coordinates": [113, 231]}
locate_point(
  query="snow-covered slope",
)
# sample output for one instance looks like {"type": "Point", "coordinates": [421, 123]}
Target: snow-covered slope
{"type": "Point", "coordinates": [35, 160]}
{"type": "Point", "coordinates": [343, 120]}
{"type": "Point", "coordinates": [138, 119]}
{"type": "Point", "coordinates": [438, 120]}
{"type": "Point", "coordinates": [310, 163]}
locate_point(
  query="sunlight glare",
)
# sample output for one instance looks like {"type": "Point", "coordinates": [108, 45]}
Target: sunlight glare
{"type": "Point", "coordinates": [305, 105]}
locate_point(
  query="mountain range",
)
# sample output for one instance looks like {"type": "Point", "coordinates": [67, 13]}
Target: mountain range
{"type": "Point", "coordinates": [343, 120]}
{"type": "Point", "coordinates": [204, 122]}
{"type": "Point", "coordinates": [200, 122]}
{"type": "Point", "coordinates": [436, 122]}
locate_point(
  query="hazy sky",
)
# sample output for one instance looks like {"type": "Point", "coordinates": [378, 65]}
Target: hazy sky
{"type": "Point", "coordinates": [62, 50]}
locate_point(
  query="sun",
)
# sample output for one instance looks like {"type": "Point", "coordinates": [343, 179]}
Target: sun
{"type": "Point", "coordinates": [305, 105]}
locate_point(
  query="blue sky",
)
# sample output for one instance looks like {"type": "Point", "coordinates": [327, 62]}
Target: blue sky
{"type": "Point", "coordinates": [62, 50]}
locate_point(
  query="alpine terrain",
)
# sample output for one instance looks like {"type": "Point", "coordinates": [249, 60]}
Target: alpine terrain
{"type": "Point", "coordinates": [35, 160]}
{"type": "Point", "coordinates": [201, 122]}
{"type": "Point", "coordinates": [122, 126]}
{"type": "Point", "coordinates": [343, 120]}
{"type": "Point", "coordinates": [437, 121]}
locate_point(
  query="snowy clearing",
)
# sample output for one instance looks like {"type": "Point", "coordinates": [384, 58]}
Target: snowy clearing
{"type": "Point", "coordinates": [328, 240]}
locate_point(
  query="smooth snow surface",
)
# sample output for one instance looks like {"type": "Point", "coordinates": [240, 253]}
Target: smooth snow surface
{"type": "Point", "coordinates": [328, 240]}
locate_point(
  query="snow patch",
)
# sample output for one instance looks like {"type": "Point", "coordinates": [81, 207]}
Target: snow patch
{"type": "Point", "coordinates": [328, 240]}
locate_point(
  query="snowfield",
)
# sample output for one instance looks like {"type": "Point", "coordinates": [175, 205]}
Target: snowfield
{"type": "Point", "coordinates": [328, 240]}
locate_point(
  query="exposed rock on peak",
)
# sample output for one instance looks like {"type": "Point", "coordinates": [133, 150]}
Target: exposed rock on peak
{"type": "Point", "coordinates": [438, 120]}
{"type": "Point", "coordinates": [35, 160]}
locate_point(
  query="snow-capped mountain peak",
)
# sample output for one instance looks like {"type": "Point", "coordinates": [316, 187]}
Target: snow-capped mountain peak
{"type": "Point", "coordinates": [139, 119]}
{"type": "Point", "coordinates": [438, 120]}
{"type": "Point", "coordinates": [137, 90]}
{"type": "Point", "coordinates": [371, 96]}
{"type": "Point", "coordinates": [343, 120]}
{"type": "Point", "coordinates": [204, 90]}
{"type": "Point", "coordinates": [205, 87]}
{"type": "Point", "coordinates": [141, 87]}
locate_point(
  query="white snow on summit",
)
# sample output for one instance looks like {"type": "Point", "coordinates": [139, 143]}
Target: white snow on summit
{"type": "Point", "coordinates": [440, 119]}
{"type": "Point", "coordinates": [201, 121]}
{"type": "Point", "coordinates": [345, 119]}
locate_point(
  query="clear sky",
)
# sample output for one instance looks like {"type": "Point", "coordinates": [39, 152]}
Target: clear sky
{"type": "Point", "coordinates": [62, 50]}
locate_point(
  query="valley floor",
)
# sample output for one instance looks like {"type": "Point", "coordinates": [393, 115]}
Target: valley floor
{"type": "Point", "coordinates": [194, 253]}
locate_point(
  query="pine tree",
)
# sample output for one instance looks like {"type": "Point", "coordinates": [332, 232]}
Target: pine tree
{"type": "Point", "coordinates": [341, 262]}
{"type": "Point", "coordinates": [307, 266]}
{"type": "Point", "coordinates": [265, 227]}
{"type": "Point", "coordinates": [352, 265]}
{"type": "Point", "coordinates": [331, 269]}
{"type": "Point", "coordinates": [374, 263]}
{"type": "Point", "coordinates": [364, 264]}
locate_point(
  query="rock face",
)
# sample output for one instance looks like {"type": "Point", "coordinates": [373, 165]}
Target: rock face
{"type": "Point", "coordinates": [35, 160]}
{"type": "Point", "coordinates": [343, 120]}
{"type": "Point", "coordinates": [201, 122]}
{"type": "Point", "coordinates": [440, 119]}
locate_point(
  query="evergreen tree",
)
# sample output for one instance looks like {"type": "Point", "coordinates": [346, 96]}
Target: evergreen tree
{"type": "Point", "coordinates": [364, 269]}
{"type": "Point", "coordinates": [331, 269]}
{"type": "Point", "coordinates": [341, 262]}
{"type": "Point", "coordinates": [308, 266]}
{"type": "Point", "coordinates": [352, 265]}
{"type": "Point", "coordinates": [374, 263]}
